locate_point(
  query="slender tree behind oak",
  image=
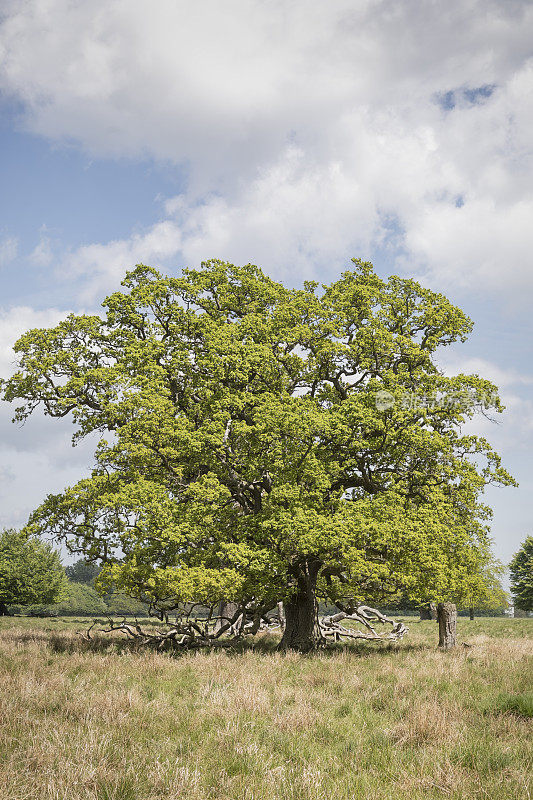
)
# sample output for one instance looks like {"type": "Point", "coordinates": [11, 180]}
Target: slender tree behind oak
{"type": "Point", "coordinates": [522, 576]}
{"type": "Point", "coordinates": [263, 444]}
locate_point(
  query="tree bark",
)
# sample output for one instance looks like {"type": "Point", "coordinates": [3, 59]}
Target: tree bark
{"type": "Point", "coordinates": [471, 612]}
{"type": "Point", "coordinates": [281, 615]}
{"type": "Point", "coordinates": [226, 611]}
{"type": "Point", "coordinates": [4, 610]}
{"type": "Point", "coordinates": [447, 616]}
{"type": "Point", "coordinates": [429, 611]}
{"type": "Point", "coordinates": [302, 631]}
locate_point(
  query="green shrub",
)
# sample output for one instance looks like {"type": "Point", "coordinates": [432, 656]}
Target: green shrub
{"type": "Point", "coordinates": [122, 605]}
{"type": "Point", "coordinates": [81, 600]}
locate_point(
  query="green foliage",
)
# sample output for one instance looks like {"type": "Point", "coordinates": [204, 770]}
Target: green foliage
{"type": "Point", "coordinates": [483, 588]}
{"type": "Point", "coordinates": [246, 451]}
{"type": "Point", "coordinates": [79, 599]}
{"type": "Point", "coordinates": [82, 600]}
{"type": "Point", "coordinates": [30, 571]}
{"type": "Point", "coordinates": [113, 603]}
{"type": "Point", "coordinates": [82, 572]}
{"type": "Point", "coordinates": [119, 605]}
{"type": "Point", "coordinates": [522, 576]}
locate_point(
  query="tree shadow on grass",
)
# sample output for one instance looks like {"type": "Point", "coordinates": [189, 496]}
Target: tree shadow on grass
{"type": "Point", "coordinates": [265, 645]}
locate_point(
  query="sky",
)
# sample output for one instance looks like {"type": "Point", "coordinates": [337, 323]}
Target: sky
{"type": "Point", "coordinates": [293, 134]}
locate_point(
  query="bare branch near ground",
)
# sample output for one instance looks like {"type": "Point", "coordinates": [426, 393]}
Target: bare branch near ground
{"type": "Point", "coordinates": [363, 615]}
{"type": "Point", "coordinates": [194, 632]}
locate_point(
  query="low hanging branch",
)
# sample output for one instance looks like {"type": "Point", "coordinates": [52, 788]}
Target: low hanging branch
{"type": "Point", "coordinates": [194, 632]}
{"type": "Point", "coordinates": [190, 631]}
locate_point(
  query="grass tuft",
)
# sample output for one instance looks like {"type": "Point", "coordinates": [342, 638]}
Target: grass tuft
{"type": "Point", "coordinates": [520, 704]}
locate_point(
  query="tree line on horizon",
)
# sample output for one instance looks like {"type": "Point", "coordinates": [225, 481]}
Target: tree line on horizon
{"type": "Point", "coordinates": [32, 583]}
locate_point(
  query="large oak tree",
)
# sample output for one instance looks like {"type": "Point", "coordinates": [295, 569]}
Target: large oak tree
{"type": "Point", "coordinates": [260, 443]}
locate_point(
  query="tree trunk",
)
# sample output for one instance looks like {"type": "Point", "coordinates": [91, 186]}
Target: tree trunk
{"type": "Point", "coordinates": [302, 631]}
{"type": "Point", "coordinates": [447, 616]}
{"type": "Point", "coordinates": [429, 611]}
{"type": "Point", "coordinates": [281, 615]}
{"type": "Point", "coordinates": [226, 611]}
{"type": "Point", "coordinates": [471, 612]}
{"type": "Point", "coordinates": [4, 610]}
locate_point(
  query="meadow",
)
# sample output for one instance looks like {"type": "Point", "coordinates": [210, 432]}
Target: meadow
{"type": "Point", "coordinates": [104, 720]}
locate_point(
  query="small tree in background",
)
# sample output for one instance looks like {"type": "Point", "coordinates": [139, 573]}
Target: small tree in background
{"type": "Point", "coordinates": [522, 576]}
{"type": "Point", "coordinates": [30, 571]}
{"type": "Point", "coordinates": [114, 604]}
{"type": "Point", "coordinates": [83, 572]}
{"type": "Point", "coordinates": [483, 588]}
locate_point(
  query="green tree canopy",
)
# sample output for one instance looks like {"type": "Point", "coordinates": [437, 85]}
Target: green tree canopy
{"type": "Point", "coordinates": [30, 571]}
{"type": "Point", "coordinates": [522, 576]}
{"type": "Point", "coordinates": [261, 443]}
{"type": "Point", "coordinates": [483, 588]}
{"type": "Point", "coordinates": [82, 572]}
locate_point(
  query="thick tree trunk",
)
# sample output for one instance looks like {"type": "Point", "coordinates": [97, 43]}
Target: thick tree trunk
{"type": "Point", "coordinates": [4, 610]}
{"type": "Point", "coordinates": [429, 611]}
{"type": "Point", "coordinates": [302, 631]}
{"type": "Point", "coordinates": [471, 612]}
{"type": "Point", "coordinates": [447, 616]}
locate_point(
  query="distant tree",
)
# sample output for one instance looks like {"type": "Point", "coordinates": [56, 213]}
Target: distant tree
{"type": "Point", "coordinates": [30, 571]}
{"type": "Point", "coordinates": [110, 602]}
{"type": "Point", "coordinates": [428, 611]}
{"type": "Point", "coordinates": [522, 576]}
{"type": "Point", "coordinates": [483, 589]}
{"type": "Point", "coordinates": [83, 571]}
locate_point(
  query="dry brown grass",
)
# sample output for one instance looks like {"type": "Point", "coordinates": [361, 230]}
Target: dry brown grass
{"type": "Point", "coordinates": [104, 722]}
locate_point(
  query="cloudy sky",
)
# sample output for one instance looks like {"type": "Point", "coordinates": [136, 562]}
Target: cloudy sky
{"type": "Point", "coordinates": [293, 134]}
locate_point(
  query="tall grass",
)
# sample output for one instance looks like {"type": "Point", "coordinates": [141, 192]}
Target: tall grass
{"type": "Point", "coordinates": [103, 721]}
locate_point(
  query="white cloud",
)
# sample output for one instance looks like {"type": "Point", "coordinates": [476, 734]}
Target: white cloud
{"type": "Point", "coordinates": [8, 250]}
{"type": "Point", "coordinates": [106, 263]}
{"type": "Point", "coordinates": [514, 428]}
{"type": "Point", "coordinates": [27, 476]}
{"type": "Point", "coordinates": [42, 254]}
{"type": "Point", "coordinates": [310, 131]}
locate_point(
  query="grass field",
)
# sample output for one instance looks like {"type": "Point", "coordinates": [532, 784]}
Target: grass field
{"type": "Point", "coordinates": [100, 721]}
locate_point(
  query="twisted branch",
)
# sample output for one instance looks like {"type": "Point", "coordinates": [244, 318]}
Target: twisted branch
{"type": "Point", "coordinates": [193, 632]}
{"type": "Point", "coordinates": [363, 615]}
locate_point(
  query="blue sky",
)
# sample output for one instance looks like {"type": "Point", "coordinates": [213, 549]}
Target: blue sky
{"type": "Point", "coordinates": [292, 135]}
